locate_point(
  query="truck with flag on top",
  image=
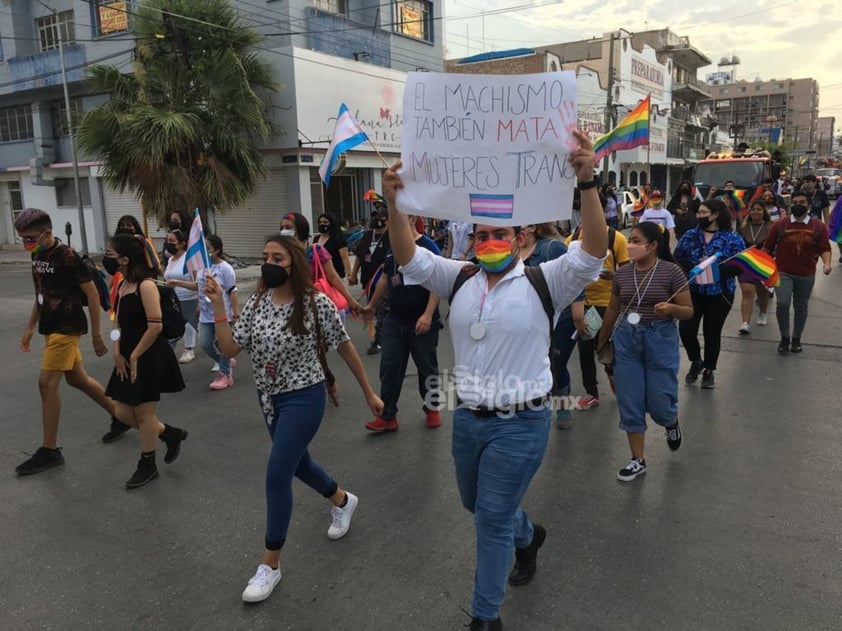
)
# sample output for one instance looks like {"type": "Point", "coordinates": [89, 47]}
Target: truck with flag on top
{"type": "Point", "coordinates": [747, 172]}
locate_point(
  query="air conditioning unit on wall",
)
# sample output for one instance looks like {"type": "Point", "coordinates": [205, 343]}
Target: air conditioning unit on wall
{"type": "Point", "coordinates": [36, 173]}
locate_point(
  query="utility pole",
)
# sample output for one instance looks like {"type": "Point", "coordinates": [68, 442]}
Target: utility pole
{"type": "Point", "coordinates": [609, 102]}
{"type": "Point", "coordinates": [83, 233]}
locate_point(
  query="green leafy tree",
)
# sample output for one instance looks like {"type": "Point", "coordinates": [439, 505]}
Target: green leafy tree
{"type": "Point", "coordinates": [184, 131]}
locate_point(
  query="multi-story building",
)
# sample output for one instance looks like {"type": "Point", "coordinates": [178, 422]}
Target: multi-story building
{"type": "Point", "coordinates": [825, 126]}
{"type": "Point", "coordinates": [773, 111]}
{"type": "Point", "coordinates": [325, 52]}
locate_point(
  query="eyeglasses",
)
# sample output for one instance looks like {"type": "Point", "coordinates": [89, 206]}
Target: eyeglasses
{"type": "Point", "coordinates": [31, 240]}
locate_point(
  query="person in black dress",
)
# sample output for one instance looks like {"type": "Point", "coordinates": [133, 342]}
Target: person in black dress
{"type": "Point", "coordinates": [331, 239]}
{"type": "Point", "coordinates": [145, 364]}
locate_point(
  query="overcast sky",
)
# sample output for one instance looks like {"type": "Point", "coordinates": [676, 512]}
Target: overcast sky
{"type": "Point", "coordinates": [774, 39]}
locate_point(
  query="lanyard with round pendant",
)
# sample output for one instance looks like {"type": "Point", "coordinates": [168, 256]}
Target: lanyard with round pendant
{"type": "Point", "coordinates": [634, 317]}
{"type": "Point", "coordinates": [477, 329]}
{"type": "Point", "coordinates": [115, 333]}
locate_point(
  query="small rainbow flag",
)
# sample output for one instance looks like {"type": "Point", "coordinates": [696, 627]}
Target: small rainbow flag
{"type": "Point", "coordinates": [633, 131]}
{"type": "Point", "coordinates": [494, 206]}
{"type": "Point", "coordinates": [757, 264]}
{"type": "Point", "coordinates": [706, 272]}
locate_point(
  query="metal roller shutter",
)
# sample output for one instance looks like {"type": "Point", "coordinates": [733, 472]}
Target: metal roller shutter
{"type": "Point", "coordinates": [244, 230]}
{"type": "Point", "coordinates": [118, 204]}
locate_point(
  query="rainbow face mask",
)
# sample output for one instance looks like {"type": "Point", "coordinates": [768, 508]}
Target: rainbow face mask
{"type": "Point", "coordinates": [494, 255]}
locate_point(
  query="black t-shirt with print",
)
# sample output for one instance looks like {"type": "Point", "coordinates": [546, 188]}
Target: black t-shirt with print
{"type": "Point", "coordinates": [818, 202]}
{"type": "Point", "coordinates": [57, 275]}
{"type": "Point", "coordinates": [371, 249]}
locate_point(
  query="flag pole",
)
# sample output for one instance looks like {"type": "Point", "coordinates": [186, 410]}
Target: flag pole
{"type": "Point", "coordinates": [377, 151]}
{"type": "Point", "coordinates": [649, 142]}
{"type": "Point", "coordinates": [687, 283]}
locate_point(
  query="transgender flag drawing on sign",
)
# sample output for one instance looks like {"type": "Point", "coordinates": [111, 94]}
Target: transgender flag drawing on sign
{"type": "Point", "coordinates": [494, 206]}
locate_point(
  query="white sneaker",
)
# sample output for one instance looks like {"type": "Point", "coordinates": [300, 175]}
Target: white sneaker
{"type": "Point", "coordinates": [744, 329]}
{"type": "Point", "coordinates": [215, 367]}
{"type": "Point", "coordinates": [187, 356]}
{"type": "Point", "coordinates": [262, 584]}
{"type": "Point", "coordinates": [761, 320]}
{"type": "Point", "coordinates": [342, 518]}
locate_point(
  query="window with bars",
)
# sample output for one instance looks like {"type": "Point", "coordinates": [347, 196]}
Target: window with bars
{"type": "Point", "coordinates": [50, 26]}
{"type": "Point", "coordinates": [332, 6]}
{"type": "Point", "coordinates": [58, 116]}
{"type": "Point", "coordinates": [413, 18]}
{"type": "Point", "coordinates": [16, 123]}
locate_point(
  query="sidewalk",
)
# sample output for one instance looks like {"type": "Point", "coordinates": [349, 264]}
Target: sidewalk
{"type": "Point", "coordinates": [13, 254]}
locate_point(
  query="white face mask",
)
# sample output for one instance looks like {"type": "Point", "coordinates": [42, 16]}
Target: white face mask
{"type": "Point", "coordinates": [288, 233]}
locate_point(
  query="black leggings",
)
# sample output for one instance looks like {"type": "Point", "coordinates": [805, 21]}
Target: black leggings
{"type": "Point", "coordinates": [714, 310]}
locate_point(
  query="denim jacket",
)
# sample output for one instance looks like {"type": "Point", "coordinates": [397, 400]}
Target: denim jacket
{"type": "Point", "coordinates": [692, 250]}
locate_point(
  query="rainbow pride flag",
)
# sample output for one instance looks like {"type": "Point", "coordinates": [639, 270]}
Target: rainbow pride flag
{"type": "Point", "coordinates": [633, 131]}
{"type": "Point", "coordinates": [758, 264]}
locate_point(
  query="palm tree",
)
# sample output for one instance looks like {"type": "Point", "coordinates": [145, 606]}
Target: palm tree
{"type": "Point", "coordinates": [185, 130]}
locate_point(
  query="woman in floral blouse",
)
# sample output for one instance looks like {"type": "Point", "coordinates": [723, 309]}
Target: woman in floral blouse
{"type": "Point", "coordinates": [286, 327]}
{"type": "Point", "coordinates": [712, 302]}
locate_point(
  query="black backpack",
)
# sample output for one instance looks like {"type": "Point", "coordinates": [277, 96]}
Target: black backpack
{"type": "Point", "coordinates": [172, 318]}
{"type": "Point", "coordinates": [101, 284]}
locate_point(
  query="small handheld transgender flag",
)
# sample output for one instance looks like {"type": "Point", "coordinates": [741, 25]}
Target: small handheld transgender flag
{"type": "Point", "coordinates": [197, 258]}
{"type": "Point", "coordinates": [706, 272]}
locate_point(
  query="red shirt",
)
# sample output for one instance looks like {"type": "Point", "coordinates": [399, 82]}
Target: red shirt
{"type": "Point", "coordinates": [799, 246]}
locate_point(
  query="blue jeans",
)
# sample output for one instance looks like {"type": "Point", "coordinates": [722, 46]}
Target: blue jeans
{"type": "Point", "coordinates": [563, 350]}
{"type": "Point", "coordinates": [293, 425]}
{"type": "Point", "coordinates": [646, 365]}
{"type": "Point", "coordinates": [207, 340]}
{"type": "Point", "coordinates": [496, 459]}
{"type": "Point", "coordinates": [793, 289]}
{"type": "Point", "coordinates": [399, 341]}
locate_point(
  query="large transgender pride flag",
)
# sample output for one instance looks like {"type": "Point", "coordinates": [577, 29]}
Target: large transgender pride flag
{"type": "Point", "coordinates": [493, 206]}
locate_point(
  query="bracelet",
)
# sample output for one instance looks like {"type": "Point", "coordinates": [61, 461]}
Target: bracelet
{"type": "Point", "coordinates": [583, 186]}
{"type": "Point", "coordinates": [221, 320]}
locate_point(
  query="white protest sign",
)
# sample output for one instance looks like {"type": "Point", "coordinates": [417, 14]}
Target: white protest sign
{"type": "Point", "coordinates": [489, 149]}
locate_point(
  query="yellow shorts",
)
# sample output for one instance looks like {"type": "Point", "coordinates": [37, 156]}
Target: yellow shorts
{"type": "Point", "coordinates": [61, 352]}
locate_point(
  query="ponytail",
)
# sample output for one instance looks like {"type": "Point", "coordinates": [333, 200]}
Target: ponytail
{"type": "Point", "coordinates": [656, 233]}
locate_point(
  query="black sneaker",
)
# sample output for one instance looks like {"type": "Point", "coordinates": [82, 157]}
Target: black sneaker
{"type": "Point", "coordinates": [118, 428]}
{"type": "Point", "coordinates": [796, 347]}
{"type": "Point", "coordinates": [373, 349]}
{"type": "Point", "coordinates": [783, 347]}
{"type": "Point", "coordinates": [146, 472]}
{"type": "Point", "coordinates": [674, 437]}
{"type": "Point", "coordinates": [707, 380]}
{"type": "Point", "coordinates": [41, 460]}
{"type": "Point", "coordinates": [694, 372]}
{"type": "Point", "coordinates": [634, 468]}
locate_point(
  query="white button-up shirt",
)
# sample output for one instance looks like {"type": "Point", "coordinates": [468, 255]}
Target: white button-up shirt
{"type": "Point", "coordinates": [510, 364]}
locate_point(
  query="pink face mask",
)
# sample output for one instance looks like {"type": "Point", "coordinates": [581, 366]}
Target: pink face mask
{"type": "Point", "coordinates": [636, 251]}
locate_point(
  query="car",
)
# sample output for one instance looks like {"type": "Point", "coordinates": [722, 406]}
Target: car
{"type": "Point", "coordinates": [626, 207]}
{"type": "Point", "coordinates": [831, 181]}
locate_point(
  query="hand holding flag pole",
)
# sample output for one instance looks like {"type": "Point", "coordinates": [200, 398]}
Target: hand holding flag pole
{"type": "Point", "coordinates": [196, 259]}
{"type": "Point", "coordinates": [752, 261]}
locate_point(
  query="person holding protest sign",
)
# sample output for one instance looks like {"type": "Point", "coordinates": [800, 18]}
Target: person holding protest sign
{"type": "Point", "coordinates": [501, 338]}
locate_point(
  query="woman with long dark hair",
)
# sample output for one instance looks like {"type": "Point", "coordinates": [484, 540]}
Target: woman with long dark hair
{"type": "Point", "coordinates": [711, 303]}
{"type": "Point", "coordinates": [286, 327]}
{"type": "Point", "coordinates": [648, 296]}
{"type": "Point", "coordinates": [330, 237]}
{"type": "Point", "coordinates": [754, 230]}
{"type": "Point", "coordinates": [683, 206]}
{"type": "Point", "coordinates": [186, 290]}
{"type": "Point", "coordinates": [145, 365]}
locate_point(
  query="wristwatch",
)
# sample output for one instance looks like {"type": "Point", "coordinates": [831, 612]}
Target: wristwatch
{"type": "Point", "coordinates": [583, 186]}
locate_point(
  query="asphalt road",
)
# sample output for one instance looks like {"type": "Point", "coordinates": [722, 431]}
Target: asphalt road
{"type": "Point", "coordinates": [740, 529]}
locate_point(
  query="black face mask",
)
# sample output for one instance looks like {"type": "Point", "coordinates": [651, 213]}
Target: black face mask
{"type": "Point", "coordinates": [324, 229]}
{"type": "Point", "coordinates": [170, 247]}
{"type": "Point", "coordinates": [273, 275]}
{"type": "Point", "coordinates": [798, 210]}
{"type": "Point", "coordinates": [174, 225]}
{"type": "Point", "coordinates": [110, 265]}
{"type": "Point", "coordinates": [378, 223]}
{"type": "Point", "coordinates": [703, 222]}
